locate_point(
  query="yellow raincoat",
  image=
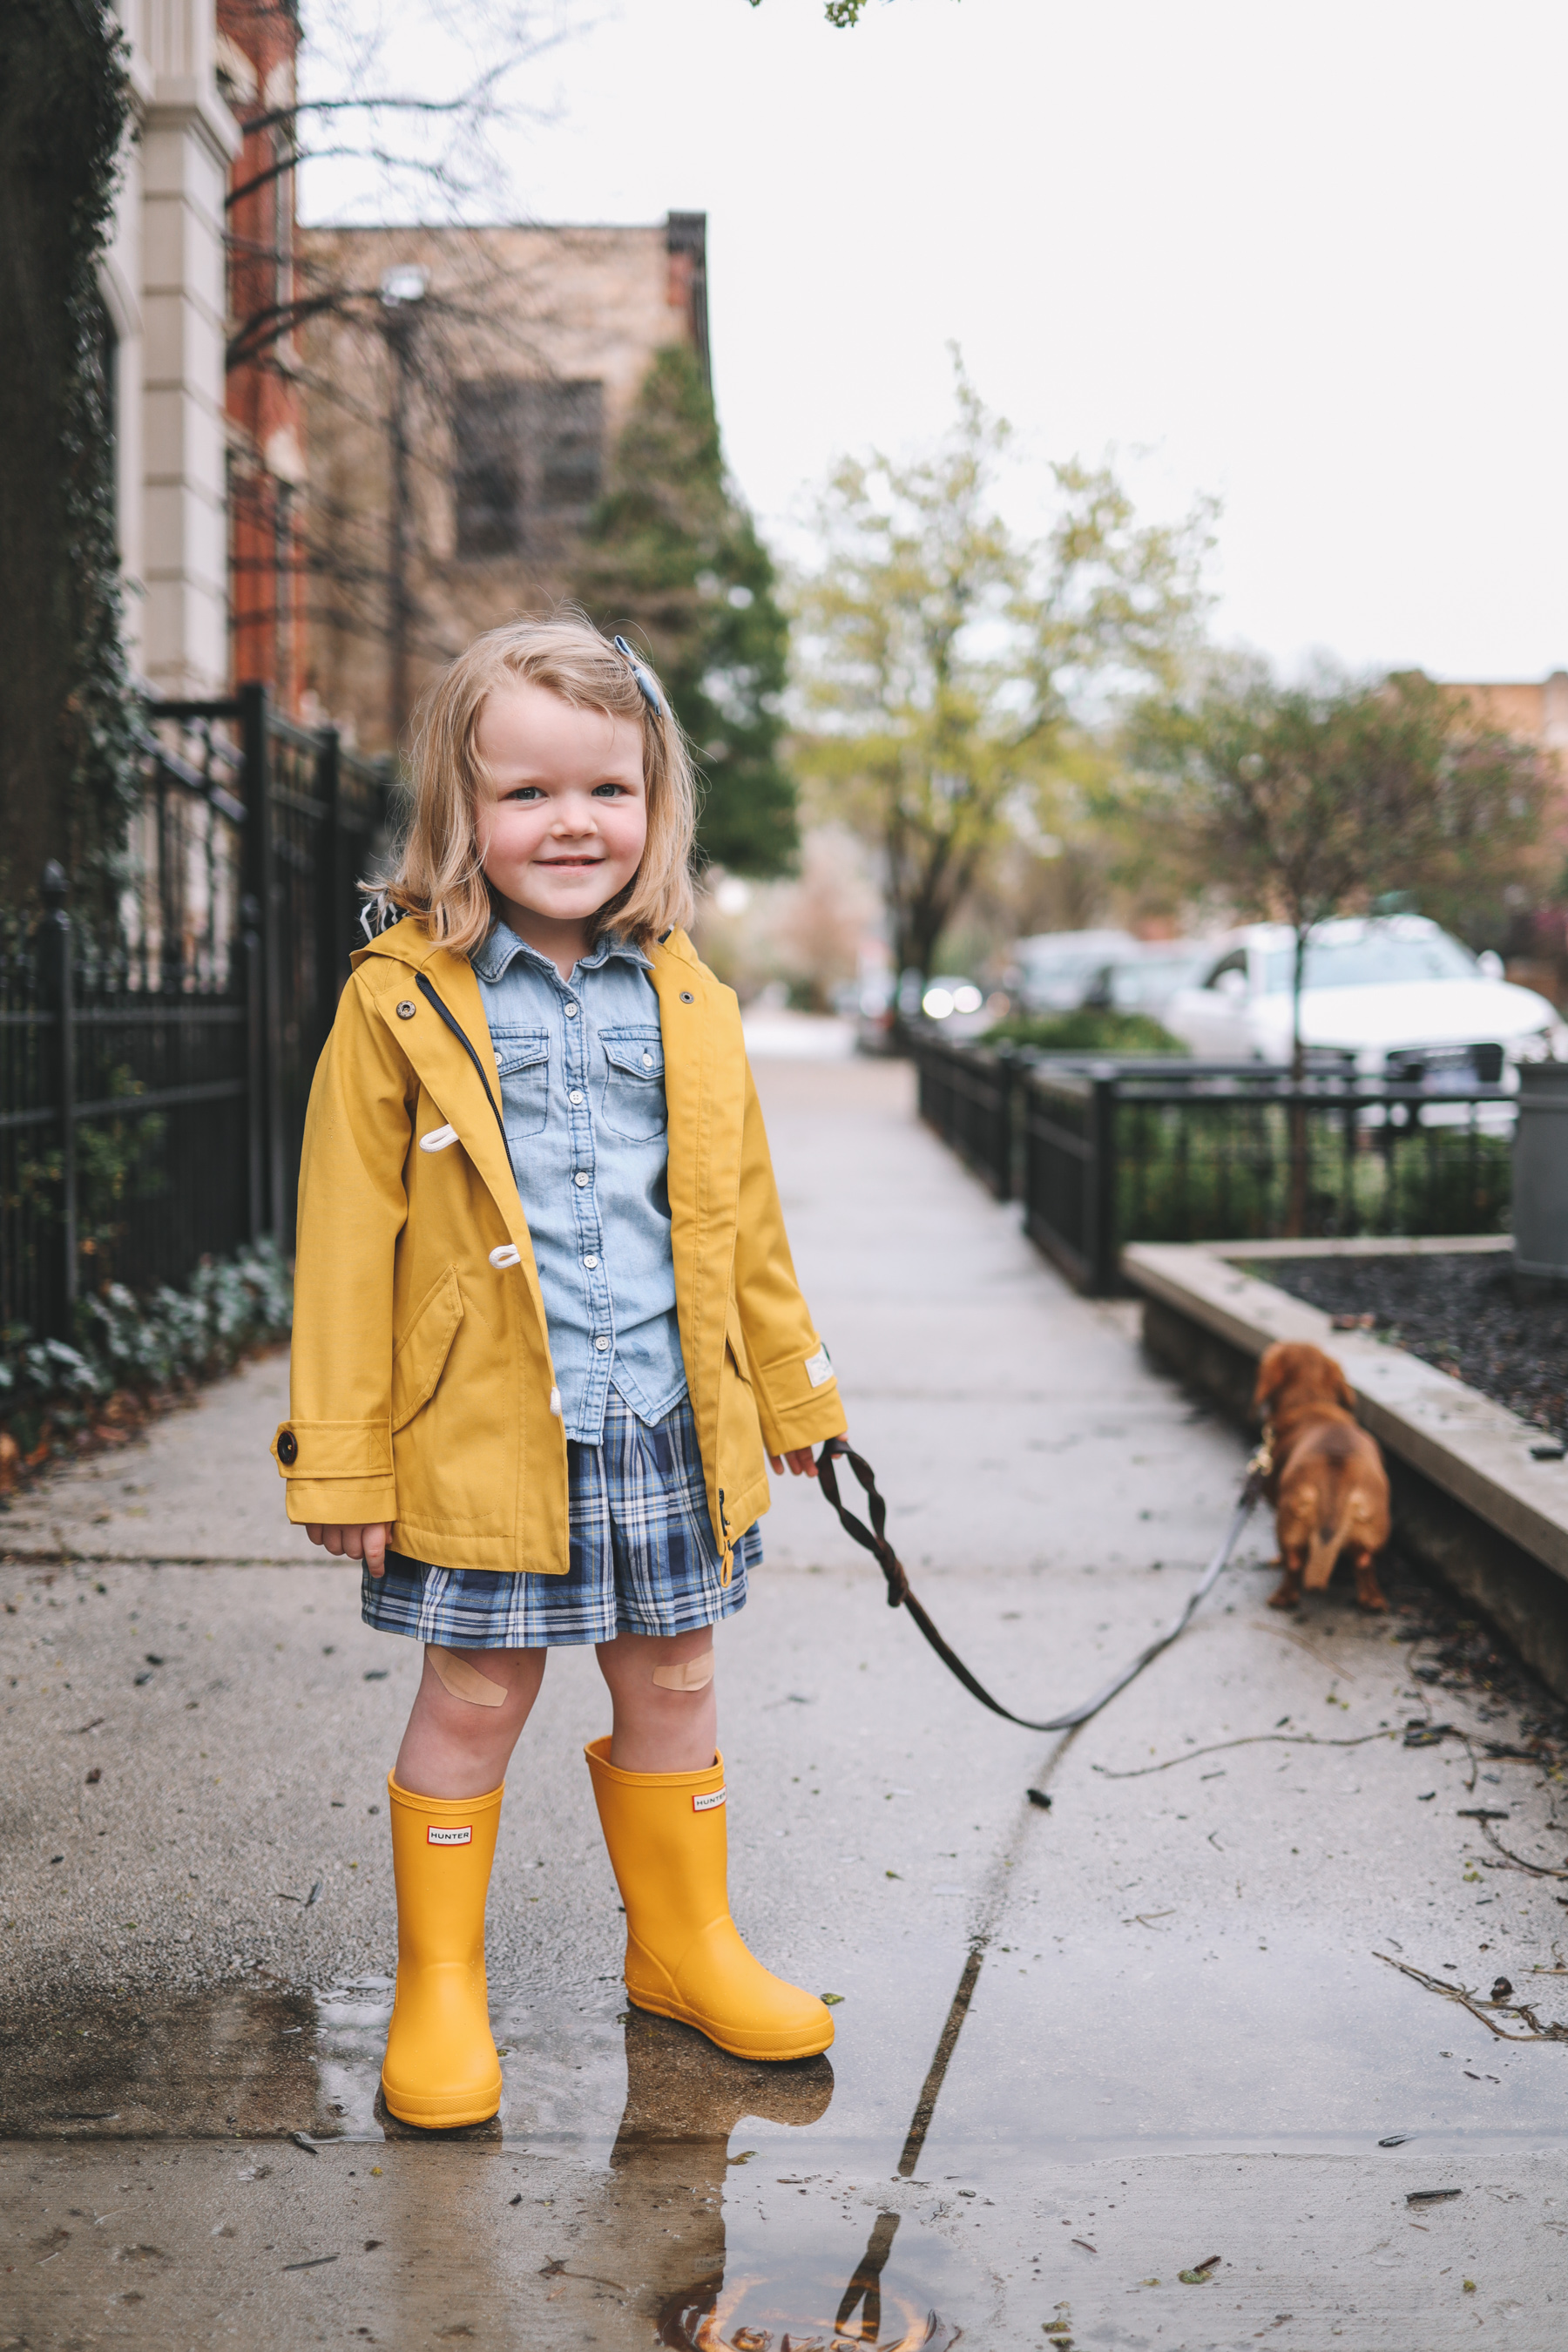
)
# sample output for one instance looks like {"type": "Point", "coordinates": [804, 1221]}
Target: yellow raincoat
{"type": "Point", "coordinates": [421, 1389]}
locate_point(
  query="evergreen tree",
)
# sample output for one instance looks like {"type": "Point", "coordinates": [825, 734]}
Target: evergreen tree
{"type": "Point", "coordinates": [674, 561]}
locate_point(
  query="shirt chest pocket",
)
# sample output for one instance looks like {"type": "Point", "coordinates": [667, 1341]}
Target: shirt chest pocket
{"type": "Point", "coordinates": [634, 1106]}
{"type": "Point", "coordinates": [522, 1058]}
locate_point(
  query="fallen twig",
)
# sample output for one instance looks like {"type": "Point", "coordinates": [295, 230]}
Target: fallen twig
{"type": "Point", "coordinates": [1517, 1861]}
{"type": "Point", "coordinates": [1478, 2009]}
{"type": "Point", "coordinates": [1253, 1740]}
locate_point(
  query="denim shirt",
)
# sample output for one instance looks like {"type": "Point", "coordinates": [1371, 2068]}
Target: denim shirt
{"type": "Point", "coordinates": [581, 1082]}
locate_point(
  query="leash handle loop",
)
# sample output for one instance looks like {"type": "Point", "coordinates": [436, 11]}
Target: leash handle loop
{"type": "Point", "coordinates": [872, 1538]}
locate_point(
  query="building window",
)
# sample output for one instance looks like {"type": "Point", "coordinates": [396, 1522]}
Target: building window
{"type": "Point", "coordinates": [486, 435]}
{"type": "Point", "coordinates": [569, 433]}
{"type": "Point", "coordinates": [528, 460]}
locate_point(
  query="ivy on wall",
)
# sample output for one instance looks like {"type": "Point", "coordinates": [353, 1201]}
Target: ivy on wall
{"type": "Point", "coordinates": [67, 713]}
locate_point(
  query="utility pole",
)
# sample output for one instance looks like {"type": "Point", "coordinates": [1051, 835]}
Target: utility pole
{"type": "Point", "coordinates": [402, 291]}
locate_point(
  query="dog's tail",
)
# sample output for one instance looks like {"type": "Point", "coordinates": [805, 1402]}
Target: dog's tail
{"type": "Point", "coordinates": [1329, 1541]}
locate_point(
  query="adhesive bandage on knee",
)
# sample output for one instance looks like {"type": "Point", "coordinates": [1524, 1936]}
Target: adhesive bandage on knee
{"type": "Point", "coordinates": [462, 1680]}
{"type": "Point", "coordinates": [690, 1675]}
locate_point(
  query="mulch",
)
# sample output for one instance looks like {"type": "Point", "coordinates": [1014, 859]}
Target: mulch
{"type": "Point", "coordinates": [1457, 1313]}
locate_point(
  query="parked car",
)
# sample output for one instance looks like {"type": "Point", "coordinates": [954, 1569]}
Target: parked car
{"type": "Point", "coordinates": [1397, 995]}
{"type": "Point", "coordinates": [1145, 981]}
{"type": "Point", "coordinates": [1052, 972]}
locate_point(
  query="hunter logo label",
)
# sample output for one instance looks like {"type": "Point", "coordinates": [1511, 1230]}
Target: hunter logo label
{"type": "Point", "coordinates": [465, 1836]}
{"type": "Point", "coordinates": [706, 1804]}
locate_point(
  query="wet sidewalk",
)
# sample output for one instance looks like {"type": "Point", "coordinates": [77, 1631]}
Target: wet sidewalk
{"type": "Point", "coordinates": [1081, 2050]}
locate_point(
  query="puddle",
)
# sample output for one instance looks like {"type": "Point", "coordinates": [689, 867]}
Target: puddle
{"type": "Point", "coordinates": [236, 2063]}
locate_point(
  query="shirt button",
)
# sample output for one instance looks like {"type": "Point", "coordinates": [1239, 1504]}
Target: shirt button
{"type": "Point", "coordinates": [601, 1344]}
{"type": "Point", "coordinates": [575, 1095]}
{"type": "Point", "coordinates": [580, 1177]}
{"type": "Point", "coordinates": [571, 1009]}
{"type": "Point", "coordinates": [590, 1263]}
{"type": "Point", "coordinates": [648, 1061]}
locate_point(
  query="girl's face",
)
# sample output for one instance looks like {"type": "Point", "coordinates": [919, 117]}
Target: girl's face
{"type": "Point", "coordinates": [563, 817]}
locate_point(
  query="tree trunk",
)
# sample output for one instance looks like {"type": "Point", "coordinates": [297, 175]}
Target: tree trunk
{"type": "Point", "coordinates": [1296, 1208]}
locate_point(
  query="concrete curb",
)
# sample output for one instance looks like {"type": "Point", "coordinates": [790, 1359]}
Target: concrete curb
{"type": "Point", "coordinates": [1471, 1503]}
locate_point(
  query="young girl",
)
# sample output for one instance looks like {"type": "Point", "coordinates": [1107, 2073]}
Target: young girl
{"type": "Point", "coordinates": [546, 1326]}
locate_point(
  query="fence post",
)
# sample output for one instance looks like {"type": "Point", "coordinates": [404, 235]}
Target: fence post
{"type": "Point", "coordinates": [1102, 1253]}
{"type": "Point", "coordinates": [255, 1065]}
{"type": "Point", "coordinates": [331, 941]}
{"type": "Point", "coordinates": [1007, 1072]}
{"type": "Point", "coordinates": [261, 879]}
{"type": "Point", "coordinates": [55, 957]}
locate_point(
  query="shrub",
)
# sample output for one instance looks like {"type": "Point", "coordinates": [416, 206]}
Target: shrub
{"type": "Point", "coordinates": [142, 1346]}
{"type": "Point", "coordinates": [1087, 1031]}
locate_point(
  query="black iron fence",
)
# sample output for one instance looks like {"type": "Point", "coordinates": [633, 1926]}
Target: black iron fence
{"type": "Point", "coordinates": [153, 1076]}
{"type": "Point", "coordinates": [1103, 1154]}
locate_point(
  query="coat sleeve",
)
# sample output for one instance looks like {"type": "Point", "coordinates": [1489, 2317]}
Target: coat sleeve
{"type": "Point", "coordinates": [797, 1396]}
{"type": "Point", "coordinates": [335, 1449]}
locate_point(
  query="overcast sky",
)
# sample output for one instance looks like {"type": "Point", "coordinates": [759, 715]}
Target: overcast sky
{"type": "Point", "coordinates": [1308, 258]}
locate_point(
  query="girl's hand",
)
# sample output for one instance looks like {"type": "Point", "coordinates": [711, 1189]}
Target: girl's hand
{"type": "Point", "coordinates": [803, 1460]}
{"type": "Point", "coordinates": [366, 1543]}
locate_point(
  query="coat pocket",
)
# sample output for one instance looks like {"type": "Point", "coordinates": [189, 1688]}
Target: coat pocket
{"type": "Point", "coordinates": [420, 1356]}
{"type": "Point", "coordinates": [523, 1061]}
{"type": "Point", "coordinates": [633, 1104]}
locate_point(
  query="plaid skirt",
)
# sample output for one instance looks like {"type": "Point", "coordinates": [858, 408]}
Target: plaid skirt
{"type": "Point", "coordinates": [642, 1556]}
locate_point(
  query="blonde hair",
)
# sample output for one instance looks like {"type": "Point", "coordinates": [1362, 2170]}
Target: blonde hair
{"type": "Point", "coordinates": [439, 875]}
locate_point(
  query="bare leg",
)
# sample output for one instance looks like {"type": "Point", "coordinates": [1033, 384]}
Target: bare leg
{"type": "Point", "coordinates": [655, 1728]}
{"type": "Point", "coordinates": [454, 1747]}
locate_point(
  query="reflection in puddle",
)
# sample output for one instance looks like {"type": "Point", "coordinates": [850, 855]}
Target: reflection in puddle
{"type": "Point", "coordinates": [752, 2316]}
{"type": "Point", "coordinates": [757, 2314]}
{"type": "Point", "coordinates": [617, 2132]}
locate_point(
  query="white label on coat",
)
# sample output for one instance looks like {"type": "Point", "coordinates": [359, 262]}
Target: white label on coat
{"type": "Point", "coordinates": [706, 1804]}
{"type": "Point", "coordinates": [819, 1369]}
{"type": "Point", "coordinates": [465, 1836]}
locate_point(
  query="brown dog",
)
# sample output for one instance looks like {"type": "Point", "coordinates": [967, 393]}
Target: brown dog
{"type": "Point", "coordinates": [1327, 1481]}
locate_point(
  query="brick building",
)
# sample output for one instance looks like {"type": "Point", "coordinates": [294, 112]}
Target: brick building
{"type": "Point", "coordinates": [465, 390]}
{"type": "Point", "coordinates": [258, 47]}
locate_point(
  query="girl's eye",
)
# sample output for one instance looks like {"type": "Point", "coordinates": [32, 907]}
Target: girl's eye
{"type": "Point", "coordinates": [611, 788]}
{"type": "Point", "coordinates": [524, 792]}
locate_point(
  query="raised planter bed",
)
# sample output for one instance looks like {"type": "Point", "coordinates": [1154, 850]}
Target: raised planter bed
{"type": "Point", "coordinates": [1474, 1499]}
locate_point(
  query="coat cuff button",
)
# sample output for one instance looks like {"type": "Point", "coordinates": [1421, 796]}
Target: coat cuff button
{"type": "Point", "coordinates": [288, 1448]}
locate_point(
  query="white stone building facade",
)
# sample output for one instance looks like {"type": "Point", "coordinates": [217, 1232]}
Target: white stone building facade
{"type": "Point", "coordinates": [163, 286]}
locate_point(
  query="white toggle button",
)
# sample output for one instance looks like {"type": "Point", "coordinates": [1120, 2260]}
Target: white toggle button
{"type": "Point", "coordinates": [580, 1177]}
{"type": "Point", "coordinates": [556, 1402]}
{"type": "Point", "coordinates": [439, 1138]}
{"type": "Point", "coordinates": [601, 1343]}
{"type": "Point", "coordinates": [507, 1253]}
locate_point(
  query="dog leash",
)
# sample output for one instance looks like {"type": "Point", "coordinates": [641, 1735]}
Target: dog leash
{"type": "Point", "coordinates": [901, 1595]}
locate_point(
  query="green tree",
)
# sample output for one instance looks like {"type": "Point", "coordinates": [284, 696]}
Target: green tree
{"type": "Point", "coordinates": [66, 715]}
{"type": "Point", "coordinates": [1294, 804]}
{"type": "Point", "coordinates": [674, 560]}
{"type": "Point", "coordinates": [947, 661]}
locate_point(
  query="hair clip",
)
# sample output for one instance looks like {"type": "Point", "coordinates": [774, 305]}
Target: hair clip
{"type": "Point", "coordinates": [644, 678]}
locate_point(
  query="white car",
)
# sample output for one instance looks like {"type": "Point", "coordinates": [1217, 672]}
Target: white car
{"type": "Point", "coordinates": [1408, 1001]}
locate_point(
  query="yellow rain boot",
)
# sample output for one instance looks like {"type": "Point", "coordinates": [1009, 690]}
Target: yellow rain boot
{"type": "Point", "coordinates": [441, 2067]}
{"type": "Point", "coordinates": [684, 1958]}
